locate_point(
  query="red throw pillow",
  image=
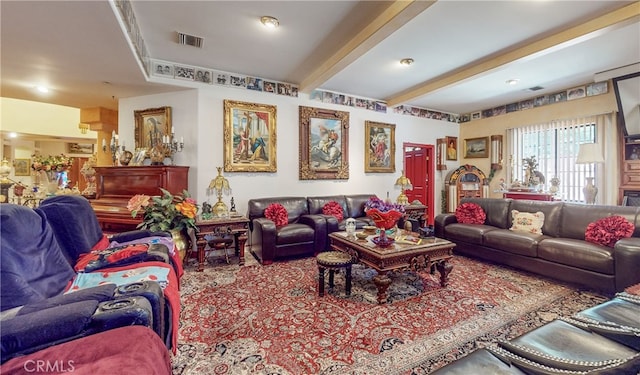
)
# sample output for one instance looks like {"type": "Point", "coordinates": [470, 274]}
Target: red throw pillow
{"type": "Point", "coordinates": [608, 230]}
{"type": "Point", "coordinates": [333, 208]}
{"type": "Point", "coordinates": [470, 213]}
{"type": "Point", "coordinates": [277, 213]}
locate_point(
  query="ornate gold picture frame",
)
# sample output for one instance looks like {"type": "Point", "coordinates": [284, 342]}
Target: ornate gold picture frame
{"type": "Point", "coordinates": [380, 143]}
{"type": "Point", "coordinates": [324, 144]}
{"type": "Point", "coordinates": [249, 137]}
{"type": "Point", "coordinates": [151, 125]}
{"type": "Point", "coordinates": [476, 147]}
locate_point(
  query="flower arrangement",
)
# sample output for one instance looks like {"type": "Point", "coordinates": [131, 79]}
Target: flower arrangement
{"type": "Point", "coordinates": [56, 163]}
{"type": "Point", "coordinates": [382, 206]}
{"type": "Point", "coordinates": [166, 212]}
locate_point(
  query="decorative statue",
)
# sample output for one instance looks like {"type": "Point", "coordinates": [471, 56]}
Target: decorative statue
{"type": "Point", "coordinates": [233, 206]}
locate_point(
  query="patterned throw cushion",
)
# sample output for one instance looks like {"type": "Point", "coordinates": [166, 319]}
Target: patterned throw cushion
{"type": "Point", "coordinates": [277, 213]}
{"type": "Point", "coordinates": [608, 230]}
{"type": "Point", "coordinates": [528, 222]}
{"type": "Point", "coordinates": [333, 208]}
{"type": "Point", "coordinates": [470, 213]}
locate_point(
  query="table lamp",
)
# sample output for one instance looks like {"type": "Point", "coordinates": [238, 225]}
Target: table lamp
{"type": "Point", "coordinates": [587, 154]}
{"type": "Point", "coordinates": [403, 183]}
{"type": "Point", "coordinates": [219, 186]}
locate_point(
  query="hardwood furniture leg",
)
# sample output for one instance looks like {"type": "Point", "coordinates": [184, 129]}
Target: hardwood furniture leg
{"type": "Point", "coordinates": [348, 281]}
{"type": "Point", "coordinates": [320, 281]}
{"type": "Point", "coordinates": [382, 282]}
{"type": "Point", "coordinates": [445, 269]}
{"type": "Point", "coordinates": [240, 240]}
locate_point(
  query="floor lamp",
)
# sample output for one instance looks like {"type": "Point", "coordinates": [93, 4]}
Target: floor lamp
{"type": "Point", "coordinates": [587, 154]}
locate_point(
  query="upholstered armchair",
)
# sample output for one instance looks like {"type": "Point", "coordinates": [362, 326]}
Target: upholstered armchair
{"type": "Point", "coordinates": [302, 235]}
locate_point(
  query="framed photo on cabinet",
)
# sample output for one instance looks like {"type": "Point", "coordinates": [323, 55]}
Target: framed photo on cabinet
{"type": "Point", "coordinates": [249, 137]}
{"type": "Point", "coordinates": [324, 144]}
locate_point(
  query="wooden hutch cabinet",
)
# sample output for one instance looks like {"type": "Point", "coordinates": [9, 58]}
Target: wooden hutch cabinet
{"type": "Point", "coordinates": [116, 185]}
{"type": "Point", "coordinates": [629, 191]}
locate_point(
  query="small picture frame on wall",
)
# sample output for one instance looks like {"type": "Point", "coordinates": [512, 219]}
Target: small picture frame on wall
{"type": "Point", "coordinates": [452, 148]}
{"type": "Point", "coordinates": [380, 141]}
{"type": "Point", "coordinates": [476, 147]}
{"type": "Point", "coordinates": [21, 167]}
{"type": "Point", "coordinates": [80, 148]}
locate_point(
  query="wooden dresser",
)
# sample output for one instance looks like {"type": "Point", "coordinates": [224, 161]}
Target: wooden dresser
{"type": "Point", "coordinates": [116, 185]}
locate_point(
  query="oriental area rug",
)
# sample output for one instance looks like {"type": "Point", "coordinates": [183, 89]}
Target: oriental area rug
{"type": "Point", "coordinates": [270, 320]}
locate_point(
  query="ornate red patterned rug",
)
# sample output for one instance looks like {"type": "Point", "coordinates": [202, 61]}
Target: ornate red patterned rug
{"type": "Point", "coordinates": [270, 320]}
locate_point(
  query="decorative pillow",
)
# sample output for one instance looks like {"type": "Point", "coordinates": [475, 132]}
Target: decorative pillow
{"type": "Point", "coordinates": [470, 213]}
{"type": "Point", "coordinates": [528, 222]}
{"type": "Point", "coordinates": [333, 208]}
{"type": "Point", "coordinates": [277, 213]}
{"type": "Point", "coordinates": [608, 230]}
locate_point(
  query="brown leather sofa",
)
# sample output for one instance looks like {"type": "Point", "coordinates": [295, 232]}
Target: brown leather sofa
{"type": "Point", "coordinates": [307, 230]}
{"type": "Point", "coordinates": [352, 207]}
{"type": "Point", "coordinates": [561, 252]}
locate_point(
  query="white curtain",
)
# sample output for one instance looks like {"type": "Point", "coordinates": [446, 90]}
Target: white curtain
{"type": "Point", "coordinates": [555, 146]}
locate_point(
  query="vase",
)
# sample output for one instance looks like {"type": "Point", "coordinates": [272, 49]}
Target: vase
{"type": "Point", "coordinates": [383, 221]}
{"type": "Point", "coordinates": [180, 242]}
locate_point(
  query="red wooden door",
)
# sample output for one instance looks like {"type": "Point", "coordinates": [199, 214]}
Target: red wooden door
{"type": "Point", "coordinates": [418, 167]}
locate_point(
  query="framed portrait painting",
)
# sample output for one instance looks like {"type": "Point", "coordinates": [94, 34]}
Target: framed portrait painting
{"type": "Point", "coordinates": [380, 141]}
{"type": "Point", "coordinates": [249, 137]}
{"type": "Point", "coordinates": [476, 147]}
{"type": "Point", "coordinates": [151, 125]}
{"type": "Point", "coordinates": [324, 144]}
{"type": "Point", "coordinates": [22, 167]}
{"type": "Point", "coordinates": [452, 148]}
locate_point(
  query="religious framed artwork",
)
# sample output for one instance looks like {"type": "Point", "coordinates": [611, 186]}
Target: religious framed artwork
{"type": "Point", "coordinates": [452, 148]}
{"type": "Point", "coordinates": [151, 126]}
{"type": "Point", "coordinates": [476, 147]}
{"type": "Point", "coordinates": [380, 143]}
{"type": "Point", "coordinates": [249, 137]}
{"type": "Point", "coordinates": [324, 144]}
{"type": "Point", "coordinates": [21, 167]}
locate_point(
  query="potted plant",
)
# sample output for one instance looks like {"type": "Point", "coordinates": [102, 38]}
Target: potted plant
{"type": "Point", "coordinates": [170, 213]}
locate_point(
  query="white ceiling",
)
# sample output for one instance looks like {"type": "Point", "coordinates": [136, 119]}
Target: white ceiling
{"type": "Point", "coordinates": [464, 51]}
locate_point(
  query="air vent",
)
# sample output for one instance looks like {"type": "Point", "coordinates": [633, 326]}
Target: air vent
{"type": "Point", "coordinates": [189, 40]}
{"type": "Point", "coordinates": [535, 88]}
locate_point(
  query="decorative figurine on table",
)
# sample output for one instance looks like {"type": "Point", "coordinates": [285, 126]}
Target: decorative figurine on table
{"type": "Point", "coordinates": [232, 211]}
{"type": "Point", "coordinates": [207, 214]}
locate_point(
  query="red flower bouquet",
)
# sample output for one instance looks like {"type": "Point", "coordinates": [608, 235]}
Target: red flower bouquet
{"type": "Point", "coordinates": [608, 230]}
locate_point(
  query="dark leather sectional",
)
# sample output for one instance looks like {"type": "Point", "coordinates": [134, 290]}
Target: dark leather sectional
{"type": "Point", "coordinates": [561, 252]}
{"type": "Point", "coordinates": [602, 340]}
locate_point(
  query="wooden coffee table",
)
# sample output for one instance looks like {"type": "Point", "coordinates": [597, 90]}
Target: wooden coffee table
{"type": "Point", "coordinates": [430, 252]}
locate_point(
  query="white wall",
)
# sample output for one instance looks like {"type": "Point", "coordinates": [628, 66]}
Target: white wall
{"type": "Point", "coordinates": [198, 116]}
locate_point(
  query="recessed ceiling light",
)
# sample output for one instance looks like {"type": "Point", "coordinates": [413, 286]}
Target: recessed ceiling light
{"type": "Point", "coordinates": [42, 89]}
{"type": "Point", "coordinates": [406, 62]}
{"type": "Point", "coordinates": [512, 81]}
{"type": "Point", "coordinates": [270, 22]}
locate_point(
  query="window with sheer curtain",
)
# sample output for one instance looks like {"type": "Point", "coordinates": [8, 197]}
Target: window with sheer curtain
{"type": "Point", "coordinates": [555, 146]}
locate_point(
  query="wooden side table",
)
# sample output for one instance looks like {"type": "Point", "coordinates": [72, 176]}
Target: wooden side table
{"type": "Point", "coordinates": [237, 226]}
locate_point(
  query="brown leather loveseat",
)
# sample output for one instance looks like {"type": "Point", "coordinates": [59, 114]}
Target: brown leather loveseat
{"type": "Point", "coordinates": [561, 252]}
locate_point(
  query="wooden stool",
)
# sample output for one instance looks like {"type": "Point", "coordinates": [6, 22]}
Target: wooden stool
{"type": "Point", "coordinates": [333, 260]}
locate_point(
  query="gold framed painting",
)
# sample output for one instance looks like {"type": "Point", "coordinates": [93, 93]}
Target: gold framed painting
{"type": "Point", "coordinates": [324, 144]}
{"type": "Point", "coordinates": [476, 147]}
{"type": "Point", "coordinates": [380, 141]}
{"type": "Point", "coordinates": [452, 148]}
{"type": "Point", "coordinates": [21, 167]}
{"type": "Point", "coordinates": [151, 126]}
{"type": "Point", "coordinates": [249, 137]}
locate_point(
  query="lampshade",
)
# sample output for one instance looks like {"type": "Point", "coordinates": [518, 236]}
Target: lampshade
{"type": "Point", "coordinates": [589, 153]}
{"type": "Point", "coordinates": [403, 183]}
{"type": "Point", "coordinates": [220, 185]}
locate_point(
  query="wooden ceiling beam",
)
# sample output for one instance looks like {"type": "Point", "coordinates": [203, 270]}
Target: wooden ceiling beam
{"type": "Point", "coordinates": [587, 30]}
{"type": "Point", "coordinates": [388, 22]}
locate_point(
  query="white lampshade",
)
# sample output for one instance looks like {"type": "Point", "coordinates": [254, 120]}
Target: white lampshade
{"type": "Point", "coordinates": [589, 153]}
